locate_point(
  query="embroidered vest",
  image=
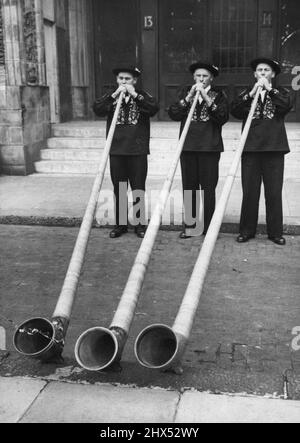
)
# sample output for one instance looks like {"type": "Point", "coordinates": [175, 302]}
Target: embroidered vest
{"type": "Point", "coordinates": [129, 113]}
{"type": "Point", "coordinates": [265, 110]}
{"type": "Point", "coordinates": [201, 113]}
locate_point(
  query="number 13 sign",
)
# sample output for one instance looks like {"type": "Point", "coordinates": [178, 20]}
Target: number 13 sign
{"type": "Point", "coordinates": [148, 22]}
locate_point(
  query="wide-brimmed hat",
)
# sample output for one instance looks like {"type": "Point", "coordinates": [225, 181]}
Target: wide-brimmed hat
{"type": "Point", "coordinates": [130, 69]}
{"type": "Point", "coordinates": [204, 65]}
{"type": "Point", "coordinates": [274, 64]}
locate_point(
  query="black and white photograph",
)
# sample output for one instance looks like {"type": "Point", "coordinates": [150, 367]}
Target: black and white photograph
{"type": "Point", "coordinates": [149, 214]}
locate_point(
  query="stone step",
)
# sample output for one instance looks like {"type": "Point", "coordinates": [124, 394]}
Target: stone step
{"type": "Point", "coordinates": [156, 145]}
{"type": "Point", "coordinates": [77, 147]}
{"type": "Point", "coordinates": [157, 156]}
{"type": "Point", "coordinates": [99, 143]}
{"type": "Point", "coordinates": [91, 167]}
{"type": "Point", "coordinates": [163, 130]}
{"type": "Point", "coordinates": [155, 169]}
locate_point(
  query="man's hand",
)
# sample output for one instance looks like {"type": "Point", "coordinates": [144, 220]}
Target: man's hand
{"type": "Point", "coordinates": [191, 94]}
{"type": "Point", "coordinates": [119, 91]}
{"type": "Point", "coordinates": [266, 85]}
{"type": "Point", "coordinates": [198, 87]}
{"type": "Point", "coordinates": [131, 91]}
{"type": "Point", "coordinates": [261, 83]}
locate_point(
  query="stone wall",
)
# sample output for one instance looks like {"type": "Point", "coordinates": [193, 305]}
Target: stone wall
{"type": "Point", "coordinates": [12, 153]}
{"type": "Point", "coordinates": [24, 97]}
{"type": "Point", "coordinates": [36, 119]}
{"type": "Point", "coordinates": [2, 52]}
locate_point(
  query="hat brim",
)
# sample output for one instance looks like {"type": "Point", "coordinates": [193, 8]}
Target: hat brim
{"type": "Point", "coordinates": [135, 72]}
{"type": "Point", "coordinates": [213, 69]}
{"type": "Point", "coordinates": [274, 65]}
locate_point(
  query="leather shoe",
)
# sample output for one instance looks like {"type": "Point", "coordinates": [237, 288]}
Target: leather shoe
{"type": "Point", "coordinates": [278, 240]}
{"type": "Point", "coordinates": [118, 231]}
{"type": "Point", "coordinates": [183, 235]}
{"type": "Point", "coordinates": [140, 231]}
{"type": "Point", "coordinates": [244, 238]}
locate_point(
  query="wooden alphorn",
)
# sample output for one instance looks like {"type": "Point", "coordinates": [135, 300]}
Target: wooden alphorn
{"type": "Point", "coordinates": [159, 346]}
{"type": "Point", "coordinates": [100, 348]}
{"type": "Point", "coordinates": [39, 337]}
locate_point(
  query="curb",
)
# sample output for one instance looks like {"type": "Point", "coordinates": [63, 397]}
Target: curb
{"type": "Point", "coordinates": [75, 222]}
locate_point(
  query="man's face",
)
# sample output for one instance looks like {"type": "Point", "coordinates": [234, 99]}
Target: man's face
{"type": "Point", "coordinates": [203, 76]}
{"type": "Point", "coordinates": [264, 71]}
{"type": "Point", "coordinates": [125, 78]}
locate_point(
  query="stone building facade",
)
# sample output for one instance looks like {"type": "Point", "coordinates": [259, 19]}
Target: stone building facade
{"type": "Point", "coordinates": [44, 75]}
{"type": "Point", "coordinates": [57, 55]}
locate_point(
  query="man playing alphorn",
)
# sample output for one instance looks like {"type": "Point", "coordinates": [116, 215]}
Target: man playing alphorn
{"type": "Point", "coordinates": [203, 146]}
{"type": "Point", "coordinates": [130, 146]}
{"type": "Point", "coordinates": [266, 146]}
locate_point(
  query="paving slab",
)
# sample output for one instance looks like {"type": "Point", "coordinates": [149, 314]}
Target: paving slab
{"type": "Point", "coordinates": [72, 403]}
{"type": "Point", "coordinates": [197, 407]}
{"type": "Point", "coordinates": [60, 200]}
{"type": "Point", "coordinates": [242, 335]}
{"type": "Point", "coordinates": [16, 396]}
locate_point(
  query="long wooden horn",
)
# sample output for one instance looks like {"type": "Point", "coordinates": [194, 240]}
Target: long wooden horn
{"type": "Point", "coordinates": [162, 347]}
{"type": "Point", "coordinates": [99, 348]}
{"type": "Point", "coordinates": [39, 337]}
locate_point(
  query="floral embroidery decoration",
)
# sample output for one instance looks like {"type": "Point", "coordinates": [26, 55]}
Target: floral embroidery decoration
{"type": "Point", "coordinates": [129, 113]}
{"type": "Point", "coordinates": [201, 113]}
{"type": "Point", "coordinates": [265, 110]}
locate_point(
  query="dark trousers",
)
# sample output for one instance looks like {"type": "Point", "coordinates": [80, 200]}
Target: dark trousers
{"type": "Point", "coordinates": [266, 167]}
{"type": "Point", "coordinates": [201, 169]}
{"type": "Point", "coordinates": [131, 169]}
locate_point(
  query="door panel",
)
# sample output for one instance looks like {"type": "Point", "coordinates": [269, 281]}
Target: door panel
{"type": "Point", "coordinates": [183, 39]}
{"type": "Point", "coordinates": [223, 31]}
{"type": "Point", "coordinates": [116, 39]}
{"type": "Point", "coordinates": [234, 34]}
{"type": "Point", "coordinates": [51, 69]}
{"type": "Point", "coordinates": [64, 74]}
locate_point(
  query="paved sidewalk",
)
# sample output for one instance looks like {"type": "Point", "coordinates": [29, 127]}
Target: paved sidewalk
{"type": "Point", "coordinates": [243, 331]}
{"type": "Point", "coordinates": [57, 200]}
{"type": "Point", "coordinates": [42, 401]}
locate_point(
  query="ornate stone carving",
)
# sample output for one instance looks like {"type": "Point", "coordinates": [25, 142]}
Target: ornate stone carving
{"type": "Point", "coordinates": [30, 42]}
{"type": "Point", "coordinates": [2, 53]}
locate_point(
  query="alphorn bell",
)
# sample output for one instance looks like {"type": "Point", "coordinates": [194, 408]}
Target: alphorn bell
{"type": "Point", "coordinates": [44, 339]}
{"type": "Point", "coordinates": [159, 346]}
{"type": "Point", "coordinates": [100, 348]}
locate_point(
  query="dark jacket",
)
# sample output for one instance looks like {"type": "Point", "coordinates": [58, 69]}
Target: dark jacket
{"type": "Point", "coordinates": [205, 133]}
{"type": "Point", "coordinates": [132, 135]}
{"type": "Point", "coordinates": [267, 132]}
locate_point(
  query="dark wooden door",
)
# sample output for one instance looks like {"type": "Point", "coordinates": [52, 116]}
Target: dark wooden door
{"type": "Point", "coordinates": [184, 38]}
{"type": "Point", "coordinates": [224, 31]}
{"type": "Point", "coordinates": [64, 60]}
{"type": "Point", "coordinates": [116, 25]}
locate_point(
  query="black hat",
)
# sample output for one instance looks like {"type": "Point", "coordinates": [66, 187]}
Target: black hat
{"type": "Point", "coordinates": [130, 69]}
{"type": "Point", "coordinates": [200, 65]}
{"type": "Point", "coordinates": [275, 65]}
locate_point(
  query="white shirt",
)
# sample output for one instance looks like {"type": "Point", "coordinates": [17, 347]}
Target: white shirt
{"type": "Point", "coordinates": [263, 94]}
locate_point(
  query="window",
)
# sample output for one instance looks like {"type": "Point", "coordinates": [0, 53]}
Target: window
{"type": "Point", "coordinates": [234, 33]}
{"type": "Point", "coordinates": [290, 35]}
